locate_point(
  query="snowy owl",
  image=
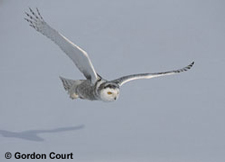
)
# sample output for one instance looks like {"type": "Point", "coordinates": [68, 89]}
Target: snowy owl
{"type": "Point", "coordinates": [94, 87]}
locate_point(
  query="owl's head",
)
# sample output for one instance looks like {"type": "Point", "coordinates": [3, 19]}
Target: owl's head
{"type": "Point", "coordinates": [109, 91]}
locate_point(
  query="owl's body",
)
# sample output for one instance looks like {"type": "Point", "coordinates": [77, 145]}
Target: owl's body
{"type": "Point", "coordinates": [94, 87]}
{"type": "Point", "coordinates": [86, 90]}
{"type": "Point", "coordinates": [80, 89]}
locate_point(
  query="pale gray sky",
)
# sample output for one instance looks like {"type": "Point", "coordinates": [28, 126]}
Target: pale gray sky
{"type": "Point", "coordinates": [169, 119]}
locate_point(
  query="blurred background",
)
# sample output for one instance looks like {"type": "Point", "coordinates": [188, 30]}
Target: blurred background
{"type": "Point", "coordinates": [176, 118]}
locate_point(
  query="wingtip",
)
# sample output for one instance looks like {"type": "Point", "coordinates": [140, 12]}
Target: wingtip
{"type": "Point", "coordinates": [26, 13]}
{"type": "Point", "coordinates": [189, 66]}
{"type": "Point", "coordinates": [30, 9]}
{"type": "Point", "coordinates": [37, 9]}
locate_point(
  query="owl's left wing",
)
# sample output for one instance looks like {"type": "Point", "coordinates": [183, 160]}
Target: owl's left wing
{"type": "Point", "coordinates": [125, 79]}
{"type": "Point", "coordinates": [78, 55]}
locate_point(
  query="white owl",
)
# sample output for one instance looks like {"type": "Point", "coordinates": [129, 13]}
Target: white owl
{"type": "Point", "coordinates": [94, 87]}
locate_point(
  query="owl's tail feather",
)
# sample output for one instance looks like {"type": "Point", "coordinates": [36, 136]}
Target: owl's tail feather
{"type": "Point", "coordinates": [67, 83]}
{"type": "Point", "coordinates": [70, 86]}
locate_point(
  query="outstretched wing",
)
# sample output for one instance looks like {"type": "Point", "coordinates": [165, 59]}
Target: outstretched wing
{"type": "Point", "coordinates": [128, 78]}
{"type": "Point", "coordinates": [79, 56]}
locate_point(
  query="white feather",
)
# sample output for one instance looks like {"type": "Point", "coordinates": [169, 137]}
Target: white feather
{"type": "Point", "coordinates": [79, 56]}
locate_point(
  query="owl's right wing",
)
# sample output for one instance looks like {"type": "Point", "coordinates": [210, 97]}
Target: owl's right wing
{"type": "Point", "coordinates": [79, 56]}
{"type": "Point", "coordinates": [125, 79]}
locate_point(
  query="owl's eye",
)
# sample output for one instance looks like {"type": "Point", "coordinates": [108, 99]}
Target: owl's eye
{"type": "Point", "coordinates": [109, 93]}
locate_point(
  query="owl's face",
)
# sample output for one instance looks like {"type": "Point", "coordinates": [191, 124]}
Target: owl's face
{"type": "Point", "coordinates": [109, 92]}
